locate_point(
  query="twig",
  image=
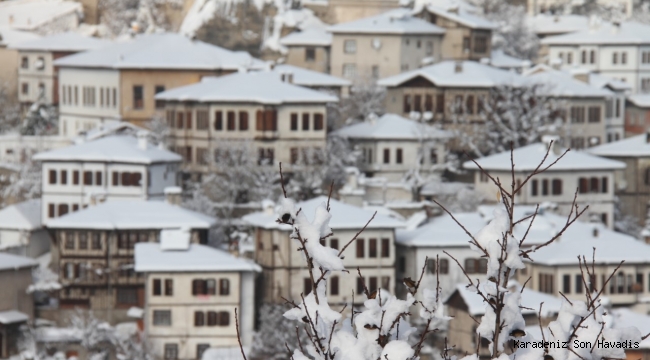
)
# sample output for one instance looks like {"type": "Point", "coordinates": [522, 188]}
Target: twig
{"type": "Point", "coordinates": [284, 191]}
{"type": "Point", "coordinates": [238, 335]}
{"type": "Point", "coordinates": [357, 234]}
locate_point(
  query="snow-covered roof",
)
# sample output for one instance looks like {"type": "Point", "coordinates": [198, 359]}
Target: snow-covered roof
{"type": "Point", "coordinates": [12, 316]}
{"type": "Point", "coordinates": [264, 87]}
{"type": "Point", "coordinates": [640, 100]}
{"type": "Point", "coordinates": [530, 300]}
{"type": "Point", "coordinates": [397, 21]}
{"type": "Point", "coordinates": [563, 84]}
{"type": "Point", "coordinates": [149, 257]}
{"type": "Point", "coordinates": [392, 127]}
{"type": "Point", "coordinates": [635, 146]}
{"type": "Point", "coordinates": [107, 128]}
{"type": "Point", "coordinates": [544, 25]}
{"type": "Point", "coordinates": [469, 74]}
{"type": "Point", "coordinates": [459, 14]}
{"type": "Point", "coordinates": [32, 14]}
{"type": "Point", "coordinates": [601, 81]}
{"type": "Point", "coordinates": [528, 157]}
{"type": "Point", "coordinates": [500, 59]}
{"type": "Point", "coordinates": [442, 231]}
{"type": "Point", "coordinates": [67, 41]}
{"type": "Point", "coordinates": [344, 216]}
{"type": "Point", "coordinates": [309, 37]}
{"type": "Point", "coordinates": [116, 148]}
{"type": "Point", "coordinates": [22, 216]}
{"type": "Point", "coordinates": [624, 317]}
{"type": "Point", "coordinates": [10, 37]}
{"type": "Point", "coordinates": [175, 239]}
{"type": "Point", "coordinates": [604, 34]}
{"type": "Point", "coordinates": [132, 214]}
{"type": "Point", "coordinates": [162, 51]}
{"type": "Point", "coordinates": [310, 78]}
{"type": "Point", "coordinates": [15, 262]}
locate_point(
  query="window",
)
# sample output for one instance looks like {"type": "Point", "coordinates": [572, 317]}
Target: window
{"type": "Point", "coordinates": [361, 247]}
{"type": "Point", "coordinates": [52, 177]}
{"type": "Point", "coordinates": [230, 116]}
{"type": "Point", "coordinates": [127, 296]}
{"type": "Point", "coordinates": [566, 284]}
{"type": "Point", "coordinates": [578, 284]}
{"type": "Point", "coordinates": [159, 103]}
{"type": "Point", "coordinates": [188, 120]}
{"type": "Point", "coordinates": [24, 62]}
{"type": "Point", "coordinates": [334, 285]}
{"type": "Point", "coordinates": [171, 351]}
{"type": "Point", "coordinates": [310, 54]}
{"type": "Point", "coordinates": [293, 154]}
{"type": "Point", "coordinates": [157, 288]}
{"type": "Point", "coordinates": [200, 349]}
{"type": "Point", "coordinates": [372, 286]}
{"type": "Point", "coordinates": [63, 209]}
{"type": "Point", "coordinates": [428, 103]}
{"type": "Point", "coordinates": [224, 318]}
{"type": "Point", "coordinates": [162, 318]}
{"type": "Point", "coordinates": [624, 58]}
{"type": "Point", "coordinates": [433, 156]}
{"type": "Point", "coordinates": [431, 266]}
{"type": "Point", "coordinates": [429, 48]}
{"type": "Point", "coordinates": [407, 104]}
{"type": "Point", "coordinates": [470, 266]}
{"type": "Point", "coordinates": [385, 247]}
{"type": "Point", "coordinates": [469, 104]}
{"type": "Point", "coordinates": [593, 114]}
{"type": "Point", "coordinates": [294, 122]}
{"type": "Point", "coordinates": [305, 121]}
{"type": "Point", "coordinates": [398, 156]}
{"type": "Point", "coordinates": [349, 71]}
{"type": "Point", "coordinates": [114, 97]}
{"type": "Point", "coordinates": [603, 185]}
{"type": "Point", "coordinates": [584, 56]}
{"type": "Point", "coordinates": [202, 120]}
{"type": "Point", "coordinates": [243, 121]}
{"type": "Point", "coordinates": [83, 241]}
{"type": "Point", "coordinates": [615, 58]}
{"type": "Point", "coordinates": [218, 120]}
{"type": "Point", "coordinates": [545, 187]}
{"type": "Point", "coordinates": [466, 43]}
{"type": "Point", "coordinates": [199, 318]}
{"type": "Point", "coordinates": [25, 88]}
{"type": "Point", "coordinates": [98, 177]}
{"type": "Point", "coordinates": [583, 185]}
{"type": "Point", "coordinates": [95, 242]}
{"type": "Point", "coordinates": [266, 120]}
{"type": "Point", "coordinates": [169, 287]}
{"type": "Point", "coordinates": [318, 122]}
{"type": "Point", "coordinates": [350, 46]}
{"type": "Point", "coordinates": [69, 241]}
{"type": "Point", "coordinates": [556, 185]}
{"type": "Point", "coordinates": [374, 72]}
{"type": "Point", "coordinates": [577, 114]}
{"type": "Point", "coordinates": [88, 178]}
{"type": "Point", "coordinates": [534, 187]}
{"type": "Point", "coordinates": [592, 57]}
{"type": "Point", "coordinates": [569, 58]}
{"type": "Point", "coordinates": [224, 287]}
{"type": "Point", "coordinates": [386, 156]}
{"type": "Point", "coordinates": [480, 44]}
{"type": "Point", "coordinates": [265, 156]}
{"type": "Point", "coordinates": [593, 185]}
{"type": "Point", "coordinates": [443, 266]}
{"type": "Point", "coordinates": [440, 103]}
{"type": "Point", "coordinates": [306, 286]}
{"type": "Point", "coordinates": [417, 103]}
{"type": "Point", "coordinates": [474, 266]}
{"type": "Point", "coordinates": [138, 97]}
{"type": "Point", "coordinates": [372, 248]}
{"type": "Point", "coordinates": [360, 287]}
{"type": "Point", "coordinates": [546, 283]}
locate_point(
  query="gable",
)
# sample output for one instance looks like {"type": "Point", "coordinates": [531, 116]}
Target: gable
{"type": "Point", "coordinates": [418, 81]}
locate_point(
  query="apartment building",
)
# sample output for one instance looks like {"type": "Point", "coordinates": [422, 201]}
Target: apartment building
{"type": "Point", "coordinates": [467, 36]}
{"type": "Point", "coordinates": [309, 49]}
{"type": "Point", "coordinates": [9, 59]}
{"type": "Point", "coordinates": [593, 176]}
{"type": "Point", "coordinates": [637, 115]}
{"type": "Point", "coordinates": [278, 118]}
{"type": "Point", "coordinates": [617, 50]}
{"type": "Point", "coordinates": [593, 114]}
{"type": "Point", "coordinates": [93, 252]}
{"type": "Point", "coordinates": [118, 167]}
{"type": "Point", "coordinates": [37, 75]}
{"type": "Point", "coordinates": [391, 145]}
{"type": "Point", "coordinates": [16, 305]}
{"type": "Point", "coordinates": [191, 293]}
{"type": "Point", "coordinates": [284, 271]}
{"type": "Point", "coordinates": [633, 182]}
{"type": "Point", "coordinates": [119, 82]}
{"type": "Point", "coordinates": [383, 45]}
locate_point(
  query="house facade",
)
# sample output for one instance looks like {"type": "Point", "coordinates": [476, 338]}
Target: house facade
{"type": "Point", "coordinates": [278, 119]}
{"type": "Point", "coordinates": [191, 293]}
{"type": "Point", "coordinates": [594, 178]}
{"type": "Point", "coordinates": [21, 230]}
{"type": "Point", "coordinates": [383, 45]}
{"type": "Point", "coordinates": [93, 252]}
{"type": "Point", "coordinates": [284, 271]}
{"type": "Point", "coordinates": [16, 305]}
{"type": "Point", "coordinates": [637, 115]}
{"type": "Point", "coordinates": [118, 167]}
{"type": "Point", "coordinates": [309, 49]}
{"type": "Point", "coordinates": [119, 82]}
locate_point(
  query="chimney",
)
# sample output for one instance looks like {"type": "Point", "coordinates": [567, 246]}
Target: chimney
{"type": "Point", "coordinates": [616, 26]}
{"type": "Point", "coordinates": [595, 232]}
{"type": "Point", "coordinates": [173, 195]}
{"type": "Point", "coordinates": [581, 76]}
{"type": "Point", "coordinates": [458, 67]}
{"type": "Point", "coordinates": [453, 10]}
{"type": "Point", "coordinates": [547, 140]}
{"type": "Point", "coordinates": [143, 142]}
{"type": "Point", "coordinates": [268, 207]}
{"type": "Point", "coordinates": [11, 19]}
{"type": "Point", "coordinates": [287, 77]}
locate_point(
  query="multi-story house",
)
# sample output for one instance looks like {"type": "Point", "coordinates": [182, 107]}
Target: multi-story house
{"type": "Point", "coordinates": [9, 59]}
{"type": "Point", "coordinates": [37, 75]}
{"type": "Point", "coordinates": [637, 114]}
{"type": "Point", "coordinates": [314, 80]}
{"type": "Point", "coordinates": [93, 251]}
{"type": "Point", "coordinates": [593, 114]}
{"type": "Point", "coordinates": [118, 167]}
{"type": "Point", "coordinates": [309, 49]}
{"type": "Point", "coordinates": [41, 16]}
{"type": "Point", "coordinates": [119, 82]}
{"type": "Point", "coordinates": [383, 45]}
{"type": "Point", "coordinates": [467, 37]}
{"type": "Point", "coordinates": [191, 293]}
{"type": "Point", "coordinates": [633, 182]}
{"type": "Point", "coordinates": [21, 231]}
{"type": "Point", "coordinates": [340, 11]}
{"type": "Point", "coordinates": [616, 50]}
{"type": "Point", "coordinates": [284, 270]}
{"type": "Point", "coordinates": [615, 108]}
{"type": "Point", "coordinates": [593, 177]}
{"type": "Point", "coordinates": [278, 118]}
{"type": "Point", "coordinates": [392, 145]}
{"type": "Point", "coordinates": [16, 304]}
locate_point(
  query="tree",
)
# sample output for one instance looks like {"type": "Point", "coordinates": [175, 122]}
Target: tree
{"type": "Point", "coordinates": [274, 332]}
{"type": "Point", "coordinates": [9, 110]}
{"type": "Point", "coordinates": [24, 183]}
{"type": "Point", "coordinates": [95, 335]}
{"type": "Point", "coordinates": [122, 16]}
{"type": "Point", "coordinates": [132, 346]}
{"type": "Point", "coordinates": [41, 119]}
{"type": "Point", "coordinates": [159, 131]}
{"type": "Point", "coordinates": [509, 114]}
{"type": "Point", "coordinates": [366, 97]}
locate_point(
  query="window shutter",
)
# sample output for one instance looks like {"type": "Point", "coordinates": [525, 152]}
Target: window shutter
{"type": "Point", "coordinates": [259, 126]}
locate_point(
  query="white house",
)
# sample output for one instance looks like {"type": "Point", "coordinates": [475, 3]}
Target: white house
{"type": "Point", "coordinates": [284, 269]}
{"type": "Point", "coordinates": [309, 49]}
{"type": "Point", "coordinates": [391, 145]}
{"type": "Point", "coordinates": [592, 176]}
{"type": "Point", "coordinates": [617, 50]}
{"type": "Point", "coordinates": [314, 79]}
{"type": "Point", "coordinates": [118, 167]}
{"type": "Point", "coordinates": [21, 231]}
{"type": "Point", "coordinates": [41, 16]}
{"type": "Point", "coordinates": [37, 76]}
{"type": "Point", "coordinates": [191, 293]}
